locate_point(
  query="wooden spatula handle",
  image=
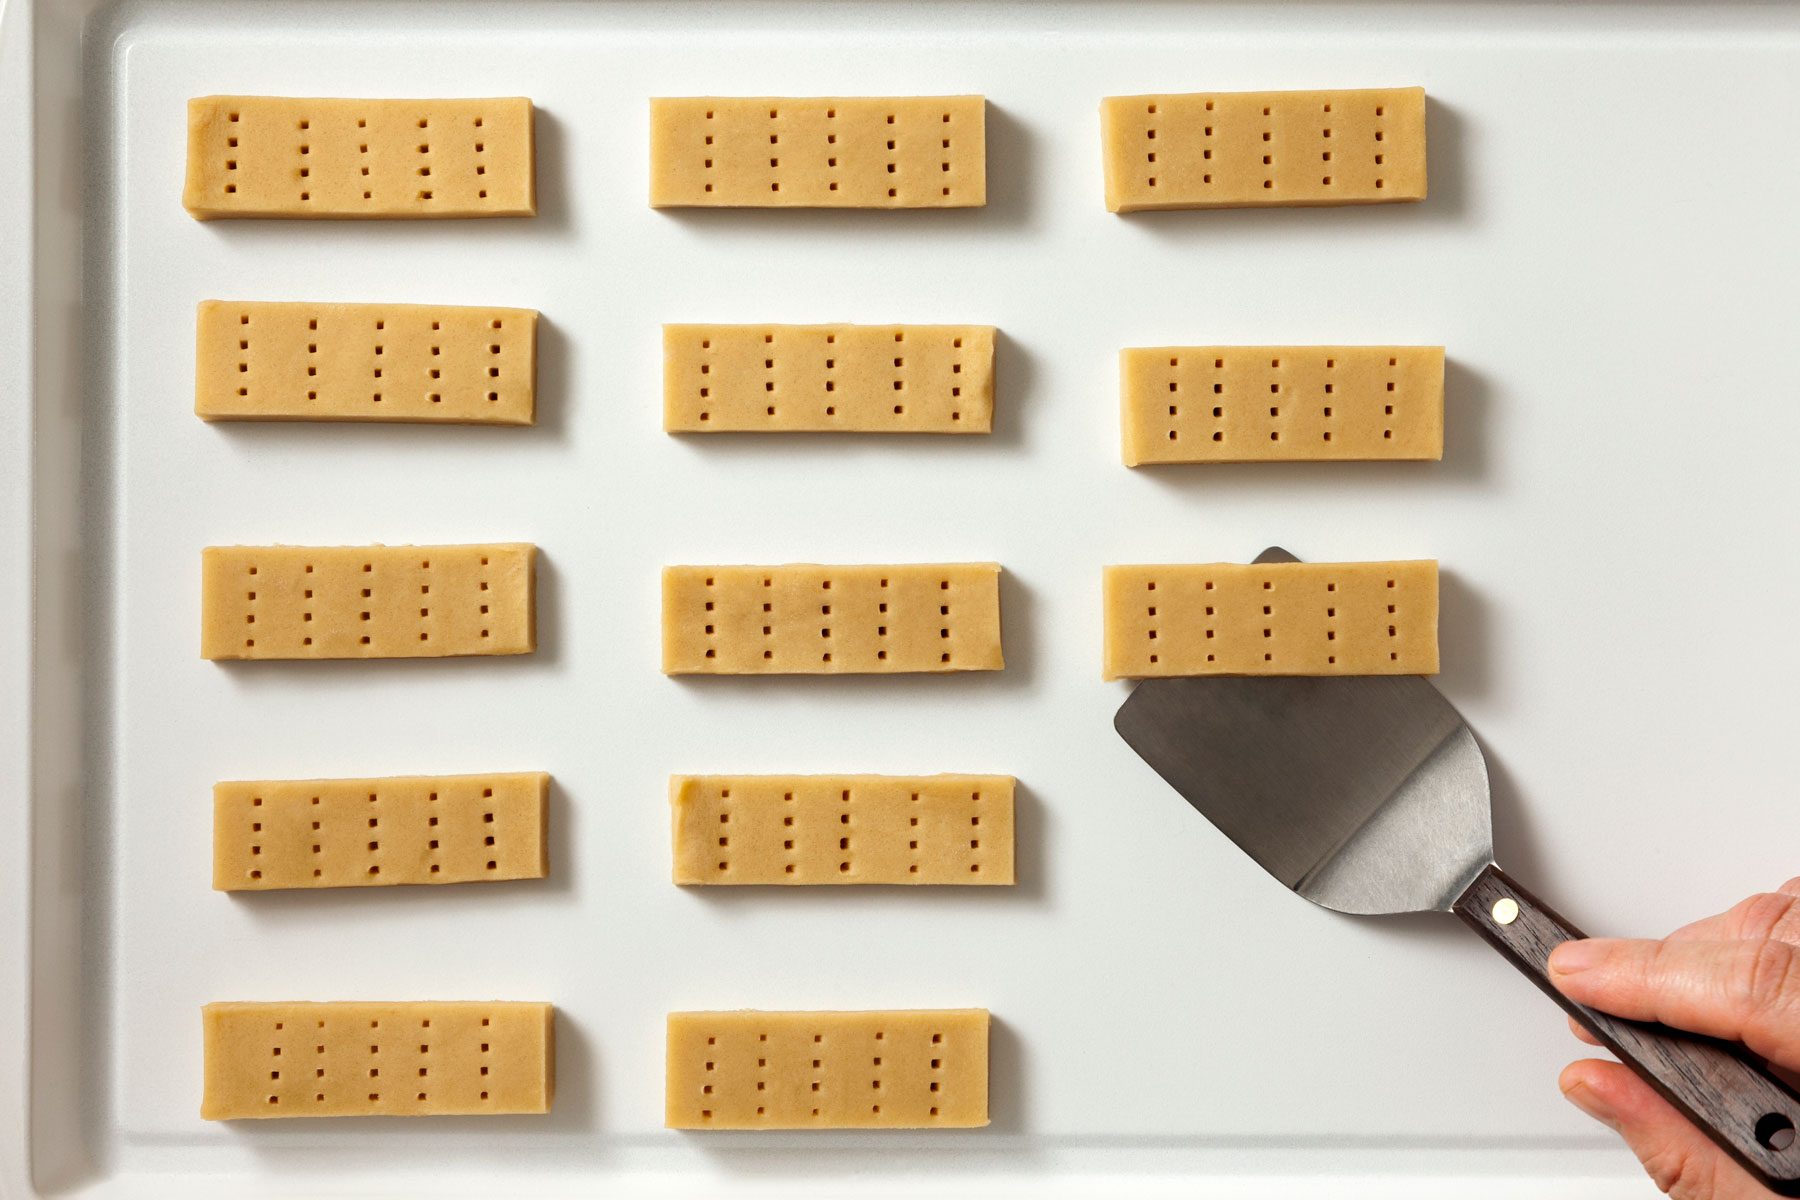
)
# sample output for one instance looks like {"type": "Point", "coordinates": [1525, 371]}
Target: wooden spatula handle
{"type": "Point", "coordinates": [1718, 1085]}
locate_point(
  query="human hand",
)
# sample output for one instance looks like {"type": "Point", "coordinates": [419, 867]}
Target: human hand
{"type": "Point", "coordinates": [1734, 976]}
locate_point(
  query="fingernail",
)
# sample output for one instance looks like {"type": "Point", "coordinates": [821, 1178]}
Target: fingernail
{"type": "Point", "coordinates": [1571, 957]}
{"type": "Point", "coordinates": [1584, 1098]}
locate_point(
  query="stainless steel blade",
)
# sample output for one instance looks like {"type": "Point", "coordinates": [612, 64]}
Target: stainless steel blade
{"type": "Point", "coordinates": [1363, 794]}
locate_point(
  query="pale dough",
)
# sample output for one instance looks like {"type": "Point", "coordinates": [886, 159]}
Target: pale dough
{"type": "Point", "coordinates": [1190, 404]}
{"type": "Point", "coordinates": [828, 378]}
{"type": "Point", "coordinates": [1244, 149]}
{"type": "Point", "coordinates": [925, 1069]}
{"type": "Point", "coordinates": [282, 156]}
{"type": "Point", "coordinates": [369, 1059]}
{"type": "Point", "coordinates": [366, 601]}
{"type": "Point", "coordinates": [364, 362]}
{"type": "Point", "coordinates": [818, 152]}
{"type": "Point", "coordinates": [827, 620]}
{"type": "Point", "coordinates": [322, 833]}
{"type": "Point", "coordinates": [1365, 618]}
{"type": "Point", "coordinates": [841, 829]}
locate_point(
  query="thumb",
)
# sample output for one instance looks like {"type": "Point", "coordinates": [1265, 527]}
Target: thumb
{"type": "Point", "coordinates": [1678, 1158]}
{"type": "Point", "coordinates": [1743, 991]}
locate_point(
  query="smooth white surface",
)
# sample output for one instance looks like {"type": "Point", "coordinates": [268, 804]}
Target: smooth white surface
{"type": "Point", "coordinates": [1606, 255]}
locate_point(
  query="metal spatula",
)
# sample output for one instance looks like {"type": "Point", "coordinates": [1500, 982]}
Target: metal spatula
{"type": "Point", "coordinates": [1370, 795]}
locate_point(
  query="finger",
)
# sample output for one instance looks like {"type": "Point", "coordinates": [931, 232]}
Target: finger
{"type": "Point", "coordinates": [1747, 992]}
{"type": "Point", "coordinates": [1677, 1156]}
{"type": "Point", "coordinates": [1765, 915]}
{"type": "Point", "coordinates": [1791, 1078]}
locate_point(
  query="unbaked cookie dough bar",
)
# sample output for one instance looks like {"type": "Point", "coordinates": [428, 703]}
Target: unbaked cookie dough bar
{"type": "Point", "coordinates": [818, 152]}
{"type": "Point", "coordinates": [805, 619]}
{"type": "Point", "coordinates": [843, 829]}
{"type": "Point", "coordinates": [262, 361]}
{"type": "Point", "coordinates": [1263, 149]}
{"type": "Point", "coordinates": [909, 1069]}
{"type": "Point", "coordinates": [1366, 618]}
{"type": "Point", "coordinates": [1202, 404]}
{"type": "Point", "coordinates": [367, 601]}
{"type": "Point", "coordinates": [323, 833]}
{"type": "Point", "coordinates": [377, 1059]}
{"type": "Point", "coordinates": [828, 378]}
{"type": "Point", "coordinates": [317, 157]}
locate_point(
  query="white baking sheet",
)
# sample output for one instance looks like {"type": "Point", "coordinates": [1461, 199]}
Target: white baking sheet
{"type": "Point", "coordinates": [1607, 254]}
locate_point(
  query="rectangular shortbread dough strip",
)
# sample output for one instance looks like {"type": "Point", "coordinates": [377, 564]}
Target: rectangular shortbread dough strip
{"type": "Point", "coordinates": [804, 619]}
{"type": "Point", "coordinates": [366, 601]}
{"type": "Point", "coordinates": [1191, 404]}
{"type": "Point", "coordinates": [284, 156]}
{"type": "Point", "coordinates": [818, 152]}
{"type": "Point", "coordinates": [828, 378]}
{"type": "Point", "coordinates": [1365, 618]}
{"type": "Point", "coordinates": [838, 829]}
{"type": "Point", "coordinates": [918, 1069]}
{"type": "Point", "coordinates": [324, 833]}
{"type": "Point", "coordinates": [1254, 149]}
{"type": "Point", "coordinates": [377, 1059]}
{"type": "Point", "coordinates": [364, 362]}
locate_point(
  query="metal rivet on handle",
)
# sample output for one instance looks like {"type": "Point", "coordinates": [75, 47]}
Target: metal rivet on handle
{"type": "Point", "coordinates": [1506, 910]}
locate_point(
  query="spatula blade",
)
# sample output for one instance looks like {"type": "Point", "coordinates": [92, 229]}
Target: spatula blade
{"type": "Point", "coordinates": [1365, 795]}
